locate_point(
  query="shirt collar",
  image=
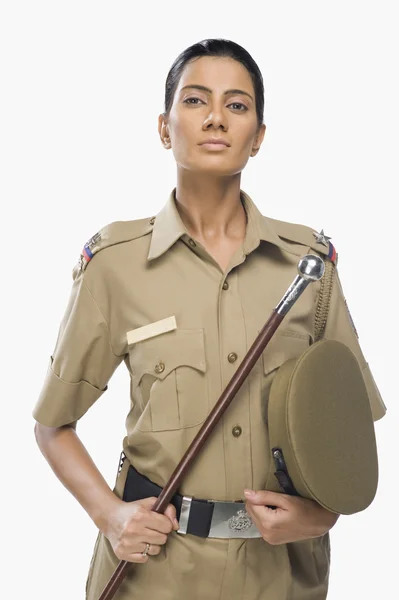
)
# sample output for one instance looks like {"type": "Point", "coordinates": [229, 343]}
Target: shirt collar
{"type": "Point", "coordinates": [169, 227]}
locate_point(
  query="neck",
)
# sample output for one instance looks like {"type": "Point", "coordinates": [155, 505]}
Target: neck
{"type": "Point", "coordinates": [210, 207]}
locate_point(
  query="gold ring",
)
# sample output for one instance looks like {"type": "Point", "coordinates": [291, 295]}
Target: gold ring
{"type": "Point", "coordinates": [147, 547]}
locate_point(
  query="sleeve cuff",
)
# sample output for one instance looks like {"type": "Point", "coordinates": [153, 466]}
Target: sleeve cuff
{"type": "Point", "coordinates": [61, 402]}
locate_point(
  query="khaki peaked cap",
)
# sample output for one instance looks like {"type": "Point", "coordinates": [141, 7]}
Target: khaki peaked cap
{"type": "Point", "coordinates": [320, 419]}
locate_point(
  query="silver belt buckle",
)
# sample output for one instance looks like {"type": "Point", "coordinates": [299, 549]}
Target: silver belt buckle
{"type": "Point", "coordinates": [229, 520]}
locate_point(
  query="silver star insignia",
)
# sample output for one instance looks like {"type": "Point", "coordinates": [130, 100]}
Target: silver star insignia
{"type": "Point", "coordinates": [321, 238]}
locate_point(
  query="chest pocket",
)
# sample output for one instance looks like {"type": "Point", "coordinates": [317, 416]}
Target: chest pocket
{"type": "Point", "coordinates": [285, 344]}
{"type": "Point", "coordinates": [169, 380]}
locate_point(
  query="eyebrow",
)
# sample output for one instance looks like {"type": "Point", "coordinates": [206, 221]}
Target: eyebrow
{"type": "Point", "coordinates": [206, 89]}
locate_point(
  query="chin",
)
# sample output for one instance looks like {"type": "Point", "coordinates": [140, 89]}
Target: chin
{"type": "Point", "coordinates": [212, 167]}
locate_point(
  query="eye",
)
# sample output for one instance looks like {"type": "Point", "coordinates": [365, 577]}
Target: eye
{"type": "Point", "coordinates": [243, 109]}
{"type": "Point", "coordinates": [187, 100]}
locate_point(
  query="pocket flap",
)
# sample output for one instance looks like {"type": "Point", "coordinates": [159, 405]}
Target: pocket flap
{"type": "Point", "coordinates": [283, 346]}
{"type": "Point", "coordinates": [159, 355]}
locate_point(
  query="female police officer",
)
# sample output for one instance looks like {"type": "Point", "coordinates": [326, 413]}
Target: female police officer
{"type": "Point", "coordinates": [180, 297]}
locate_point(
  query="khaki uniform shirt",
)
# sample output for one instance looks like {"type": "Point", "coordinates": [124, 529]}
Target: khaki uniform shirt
{"type": "Point", "coordinates": [147, 270]}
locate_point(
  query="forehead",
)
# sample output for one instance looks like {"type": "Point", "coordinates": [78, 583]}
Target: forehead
{"type": "Point", "coordinates": [218, 73]}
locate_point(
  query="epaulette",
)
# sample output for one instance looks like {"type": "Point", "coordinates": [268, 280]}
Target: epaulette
{"type": "Point", "coordinates": [116, 232]}
{"type": "Point", "coordinates": [306, 236]}
{"type": "Point", "coordinates": [320, 243]}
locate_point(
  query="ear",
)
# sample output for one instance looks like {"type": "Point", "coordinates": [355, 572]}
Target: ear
{"type": "Point", "coordinates": [163, 131]}
{"type": "Point", "coordinates": [258, 140]}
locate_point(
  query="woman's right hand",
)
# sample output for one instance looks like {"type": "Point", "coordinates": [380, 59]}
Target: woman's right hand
{"type": "Point", "coordinates": [132, 525]}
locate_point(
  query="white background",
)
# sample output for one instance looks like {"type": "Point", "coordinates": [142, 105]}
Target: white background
{"type": "Point", "coordinates": [82, 86]}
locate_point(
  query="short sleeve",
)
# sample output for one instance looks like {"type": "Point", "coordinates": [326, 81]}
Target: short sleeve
{"type": "Point", "coordinates": [81, 364]}
{"type": "Point", "coordinates": [340, 327]}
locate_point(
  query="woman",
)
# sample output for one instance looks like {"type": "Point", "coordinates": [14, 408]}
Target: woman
{"type": "Point", "coordinates": [180, 297]}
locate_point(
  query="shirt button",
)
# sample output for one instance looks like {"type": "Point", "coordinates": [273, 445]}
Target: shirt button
{"type": "Point", "coordinates": [152, 221]}
{"type": "Point", "coordinates": [232, 357]}
{"type": "Point", "coordinates": [159, 367]}
{"type": "Point", "coordinates": [225, 286]}
{"type": "Point", "coordinates": [192, 243]}
{"type": "Point", "coordinates": [237, 431]}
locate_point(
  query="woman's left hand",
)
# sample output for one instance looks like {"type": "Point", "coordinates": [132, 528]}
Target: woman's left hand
{"type": "Point", "coordinates": [293, 519]}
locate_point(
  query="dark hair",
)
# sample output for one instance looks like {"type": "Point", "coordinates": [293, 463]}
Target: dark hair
{"type": "Point", "coordinates": [216, 47]}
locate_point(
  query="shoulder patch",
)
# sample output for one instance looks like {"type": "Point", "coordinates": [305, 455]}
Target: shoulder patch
{"type": "Point", "coordinates": [306, 236]}
{"type": "Point", "coordinates": [113, 233]}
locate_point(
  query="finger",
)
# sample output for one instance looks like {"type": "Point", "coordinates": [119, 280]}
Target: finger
{"type": "Point", "coordinates": [153, 549]}
{"type": "Point", "coordinates": [140, 547]}
{"type": "Point", "coordinates": [254, 517]}
{"type": "Point", "coordinates": [153, 537]}
{"type": "Point", "coordinates": [170, 512]}
{"type": "Point", "coordinates": [148, 502]}
{"type": "Point", "coordinates": [158, 522]}
{"type": "Point", "coordinates": [267, 498]}
{"type": "Point", "coordinates": [264, 514]}
{"type": "Point", "coordinates": [136, 557]}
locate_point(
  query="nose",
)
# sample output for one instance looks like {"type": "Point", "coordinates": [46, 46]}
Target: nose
{"type": "Point", "coordinates": [216, 118]}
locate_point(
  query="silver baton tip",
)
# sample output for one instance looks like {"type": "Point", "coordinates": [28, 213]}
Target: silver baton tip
{"type": "Point", "coordinates": [311, 267]}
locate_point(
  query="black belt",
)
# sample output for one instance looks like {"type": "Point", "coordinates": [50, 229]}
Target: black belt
{"type": "Point", "coordinates": [204, 518]}
{"type": "Point", "coordinates": [138, 486]}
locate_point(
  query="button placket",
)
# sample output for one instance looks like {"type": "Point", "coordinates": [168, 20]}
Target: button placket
{"type": "Point", "coordinates": [233, 344]}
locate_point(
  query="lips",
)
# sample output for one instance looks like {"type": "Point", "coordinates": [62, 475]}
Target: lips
{"type": "Point", "coordinates": [215, 141]}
